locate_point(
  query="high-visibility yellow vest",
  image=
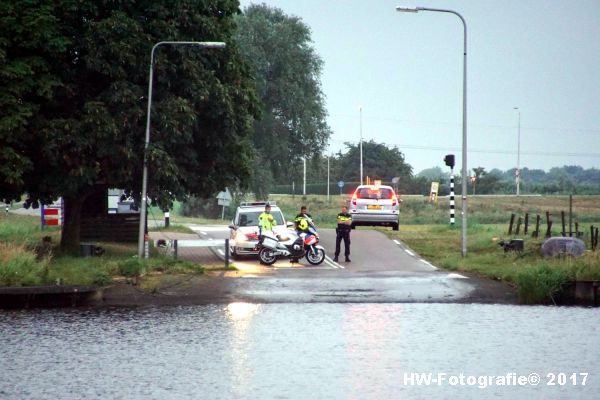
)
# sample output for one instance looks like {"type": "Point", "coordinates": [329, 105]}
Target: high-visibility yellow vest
{"type": "Point", "coordinates": [341, 217]}
{"type": "Point", "coordinates": [266, 221]}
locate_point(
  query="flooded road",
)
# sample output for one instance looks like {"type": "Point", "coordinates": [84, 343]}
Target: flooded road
{"type": "Point", "coordinates": [301, 351]}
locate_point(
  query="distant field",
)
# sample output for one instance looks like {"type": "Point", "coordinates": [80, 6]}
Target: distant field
{"type": "Point", "coordinates": [417, 210]}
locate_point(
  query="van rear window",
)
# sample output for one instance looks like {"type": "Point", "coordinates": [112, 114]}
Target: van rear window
{"type": "Point", "coordinates": [371, 193]}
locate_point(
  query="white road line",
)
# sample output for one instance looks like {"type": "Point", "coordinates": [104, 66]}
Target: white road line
{"type": "Point", "coordinates": [410, 253]}
{"type": "Point", "coordinates": [221, 251]}
{"type": "Point", "coordinates": [457, 276]}
{"type": "Point", "coordinates": [333, 263]}
{"type": "Point", "coordinates": [208, 228]}
{"type": "Point", "coordinates": [397, 242]}
{"type": "Point", "coordinates": [428, 264]}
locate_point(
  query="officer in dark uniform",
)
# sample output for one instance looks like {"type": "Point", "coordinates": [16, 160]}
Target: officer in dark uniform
{"type": "Point", "coordinates": [344, 226]}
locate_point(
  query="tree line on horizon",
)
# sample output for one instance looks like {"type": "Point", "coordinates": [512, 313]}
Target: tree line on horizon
{"type": "Point", "coordinates": [383, 162]}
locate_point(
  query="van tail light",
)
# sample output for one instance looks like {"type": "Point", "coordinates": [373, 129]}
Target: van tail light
{"type": "Point", "coordinates": [354, 199]}
{"type": "Point", "coordinates": [394, 199]}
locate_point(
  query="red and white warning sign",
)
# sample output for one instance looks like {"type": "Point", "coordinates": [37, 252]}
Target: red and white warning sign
{"type": "Point", "coordinates": [51, 215]}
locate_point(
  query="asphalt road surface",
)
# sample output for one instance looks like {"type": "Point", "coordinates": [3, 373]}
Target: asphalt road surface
{"type": "Point", "coordinates": [382, 270]}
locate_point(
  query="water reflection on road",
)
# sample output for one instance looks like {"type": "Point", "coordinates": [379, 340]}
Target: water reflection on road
{"type": "Point", "coordinates": [295, 351]}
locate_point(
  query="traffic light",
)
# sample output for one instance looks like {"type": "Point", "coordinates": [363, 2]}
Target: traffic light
{"type": "Point", "coordinates": [449, 160]}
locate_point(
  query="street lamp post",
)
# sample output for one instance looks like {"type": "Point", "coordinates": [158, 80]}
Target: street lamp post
{"type": "Point", "coordinates": [328, 158]}
{"type": "Point", "coordinates": [464, 122]}
{"type": "Point", "coordinates": [141, 240]}
{"type": "Point", "coordinates": [361, 152]}
{"type": "Point", "coordinates": [304, 177]}
{"type": "Point", "coordinates": [518, 171]}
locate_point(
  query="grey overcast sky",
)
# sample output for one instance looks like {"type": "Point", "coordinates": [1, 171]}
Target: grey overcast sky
{"type": "Point", "coordinates": [405, 70]}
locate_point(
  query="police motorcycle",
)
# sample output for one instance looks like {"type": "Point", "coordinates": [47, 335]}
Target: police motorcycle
{"type": "Point", "coordinates": [306, 244]}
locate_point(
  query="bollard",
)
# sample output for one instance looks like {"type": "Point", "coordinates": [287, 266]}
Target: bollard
{"type": "Point", "coordinates": [526, 223]}
{"type": "Point", "coordinates": [167, 219]}
{"type": "Point", "coordinates": [175, 249]}
{"type": "Point", "coordinates": [562, 218]}
{"type": "Point", "coordinates": [226, 253]}
{"type": "Point", "coordinates": [512, 221]}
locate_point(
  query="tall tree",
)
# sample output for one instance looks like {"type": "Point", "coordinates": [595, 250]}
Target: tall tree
{"type": "Point", "coordinates": [379, 162]}
{"type": "Point", "coordinates": [73, 105]}
{"type": "Point", "coordinates": [287, 72]}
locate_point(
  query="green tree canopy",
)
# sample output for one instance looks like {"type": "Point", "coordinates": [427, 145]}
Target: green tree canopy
{"type": "Point", "coordinates": [434, 174]}
{"type": "Point", "coordinates": [287, 72]}
{"type": "Point", "coordinates": [379, 162]}
{"type": "Point", "coordinates": [73, 102]}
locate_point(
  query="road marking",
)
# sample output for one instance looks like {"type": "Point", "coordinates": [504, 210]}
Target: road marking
{"type": "Point", "coordinates": [200, 243]}
{"type": "Point", "coordinates": [428, 264]}
{"type": "Point", "coordinates": [209, 228]}
{"type": "Point", "coordinates": [457, 276]}
{"type": "Point", "coordinates": [397, 242]}
{"type": "Point", "coordinates": [410, 253]}
{"type": "Point", "coordinates": [221, 252]}
{"type": "Point", "coordinates": [332, 263]}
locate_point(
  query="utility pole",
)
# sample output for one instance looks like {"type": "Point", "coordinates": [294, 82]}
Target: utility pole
{"type": "Point", "coordinates": [518, 170]}
{"type": "Point", "coordinates": [361, 151]}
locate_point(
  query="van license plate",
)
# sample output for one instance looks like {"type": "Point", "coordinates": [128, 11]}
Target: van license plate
{"type": "Point", "coordinates": [373, 207]}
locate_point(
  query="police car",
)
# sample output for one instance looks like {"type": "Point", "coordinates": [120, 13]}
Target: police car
{"type": "Point", "coordinates": [244, 228]}
{"type": "Point", "coordinates": [374, 205]}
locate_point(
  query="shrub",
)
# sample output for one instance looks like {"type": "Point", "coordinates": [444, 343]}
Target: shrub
{"type": "Point", "coordinates": [539, 284]}
{"type": "Point", "coordinates": [19, 266]}
{"type": "Point", "coordinates": [131, 267]}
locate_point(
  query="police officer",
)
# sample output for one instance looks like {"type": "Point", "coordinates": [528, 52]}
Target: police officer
{"type": "Point", "coordinates": [266, 220]}
{"type": "Point", "coordinates": [301, 220]}
{"type": "Point", "coordinates": [301, 224]}
{"type": "Point", "coordinates": [344, 225]}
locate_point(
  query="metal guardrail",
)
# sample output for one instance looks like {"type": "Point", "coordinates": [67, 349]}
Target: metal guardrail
{"type": "Point", "coordinates": [224, 243]}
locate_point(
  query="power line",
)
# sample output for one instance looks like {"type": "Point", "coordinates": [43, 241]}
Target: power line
{"type": "Point", "coordinates": [486, 151]}
{"type": "Point", "coordinates": [458, 124]}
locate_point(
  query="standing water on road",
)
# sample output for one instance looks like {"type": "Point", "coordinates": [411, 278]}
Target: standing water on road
{"type": "Point", "coordinates": [301, 351]}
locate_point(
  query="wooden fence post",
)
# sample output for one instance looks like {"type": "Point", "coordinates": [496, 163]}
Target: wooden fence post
{"type": "Point", "coordinates": [512, 221]}
{"type": "Point", "coordinates": [536, 233]}
{"type": "Point", "coordinates": [549, 223]}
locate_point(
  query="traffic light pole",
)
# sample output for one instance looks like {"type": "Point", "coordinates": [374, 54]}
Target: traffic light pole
{"type": "Point", "coordinates": [451, 196]}
{"type": "Point", "coordinates": [449, 161]}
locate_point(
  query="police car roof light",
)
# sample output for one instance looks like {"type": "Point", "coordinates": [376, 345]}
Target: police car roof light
{"type": "Point", "coordinates": [257, 203]}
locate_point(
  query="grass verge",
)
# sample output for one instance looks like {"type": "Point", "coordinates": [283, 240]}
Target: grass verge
{"type": "Point", "coordinates": [25, 261]}
{"type": "Point", "coordinates": [538, 279]}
